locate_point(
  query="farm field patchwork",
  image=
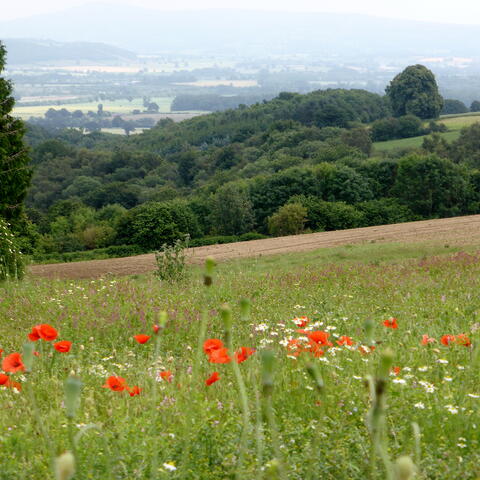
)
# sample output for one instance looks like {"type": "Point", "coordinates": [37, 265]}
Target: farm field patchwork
{"type": "Point", "coordinates": [115, 106]}
{"type": "Point", "coordinates": [454, 123]}
{"type": "Point", "coordinates": [341, 366]}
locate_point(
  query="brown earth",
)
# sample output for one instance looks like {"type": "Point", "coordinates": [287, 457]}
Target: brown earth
{"type": "Point", "coordinates": [454, 231]}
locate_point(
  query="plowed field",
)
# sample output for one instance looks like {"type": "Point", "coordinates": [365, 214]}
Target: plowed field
{"type": "Point", "coordinates": [454, 231]}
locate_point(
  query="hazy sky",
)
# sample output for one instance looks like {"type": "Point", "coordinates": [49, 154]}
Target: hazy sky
{"type": "Point", "coordinates": [460, 11]}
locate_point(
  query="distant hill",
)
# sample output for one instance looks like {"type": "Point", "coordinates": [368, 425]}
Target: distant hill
{"type": "Point", "coordinates": [246, 32]}
{"type": "Point", "coordinates": [29, 51]}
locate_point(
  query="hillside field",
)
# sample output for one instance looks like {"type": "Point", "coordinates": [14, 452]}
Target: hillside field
{"type": "Point", "coordinates": [454, 123]}
{"type": "Point", "coordinates": [295, 403]}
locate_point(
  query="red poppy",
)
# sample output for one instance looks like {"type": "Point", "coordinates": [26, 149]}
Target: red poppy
{"type": "Point", "coordinates": [220, 355]}
{"type": "Point", "coordinates": [301, 322]}
{"type": "Point", "coordinates": [396, 370]}
{"type": "Point", "coordinates": [212, 344]}
{"type": "Point", "coordinates": [34, 335]}
{"type": "Point", "coordinates": [63, 346]}
{"type": "Point", "coordinates": [134, 391]}
{"type": "Point", "coordinates": [166, 375]}
{"type": "Point", "coordinates": [344, 340]}
{"type": "Point", "coordinates": [391, 323]}
{"type": "Point", "coordinates": [364, 350]}
{"type": "Point", "coordinates": [462, 339]}
{"type": "Point", "coordinates": [447, 340]}
{"type": "Point", "coordinates": [426, 340]}
{"type": "Point", "coordinates": [142, 338]}
{"type": "Point", "coordinates": [315, 349]}
{"type": "Point", "coordinates": [242, 354]}
{"type": "Point", "coordinates": [46, 332]}
{"type": "Point", "coordinates": [3, 379]}
{"type": "Point", "coordinates": [319, 337]}
{"type": "Point", "coordinates": [156, 328]}
{"type": "Point", "coordinates": [117, 384]}
{"type": "Point", "coordinates": [294, 347]}
{"type": "Point", "coordinates": [1, 352]}
{"type": "Point", "coordinates": [214, 377]}
{"type": "Point", "coordinates": [11, 384]}
{"type": "Point", "coordinates": [13, 363]}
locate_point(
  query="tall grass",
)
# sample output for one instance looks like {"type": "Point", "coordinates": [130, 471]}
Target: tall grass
{"type": "Point", "coordinates": [275, 415]}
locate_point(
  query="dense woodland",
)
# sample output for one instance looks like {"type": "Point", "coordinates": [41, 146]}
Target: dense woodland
{"type": "Point", "coordinates": [295, 163]}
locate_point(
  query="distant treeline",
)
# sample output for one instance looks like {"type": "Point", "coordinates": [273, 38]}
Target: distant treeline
{"type": "Point", "coordinates": [215, 103]}
{"type": "Point", "coordinates": [91, 121]}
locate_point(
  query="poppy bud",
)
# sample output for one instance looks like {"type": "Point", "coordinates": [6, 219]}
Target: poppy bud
{"type": "Point", "coordinates": [267, 358]}
{"type": "Point", "coordinates": [273, 469]}
{"type": "Point", "coordinates": [368, 327]}
{"type": "Point", "coordinates": [162, 319]}
{"type": "Point", "coordinates": [73, 390]}
{"type": "Point", "coordinates": [386, 362]}
{"type": "Point", "coordinates": [312, 370]}
{"type": "Point", "coordinates": [65, 466]}
{"type": "Point", "coordinates": [245, 308]}
{"type": "Point", "coordinates": [226, 314]}
{"type": "Point", "coordinates": [208, 275]}
{"type": "Point", "coordinates": [404, 468]}
{"type": "Point", "coordinates": [27, 355]}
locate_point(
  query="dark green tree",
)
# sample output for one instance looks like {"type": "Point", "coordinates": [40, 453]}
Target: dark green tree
{"type": "Point", "coordinates": [475, 106]}
{"type": "Point", "coordinates": [15, 173]}
{"type": "Point", "coordinates": [415, 92]}
{"type": "Point", "coordinates": [232, 212]}
{"type": "Point", "coordinates": [451, 107]}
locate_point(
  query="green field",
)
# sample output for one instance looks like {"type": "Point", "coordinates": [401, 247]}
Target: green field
{"type": "Point", "coordinates": [297, 408]}
{"type": "Point", "coordinates": [116, 106]}
{"type": "Point", "coordinates": [454, 123]}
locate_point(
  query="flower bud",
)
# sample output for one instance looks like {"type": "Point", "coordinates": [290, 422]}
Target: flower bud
{"type": "Point", "coordinates": [65, 466]}
{"type": "Point", "coordinates": [386, 362]}
{"type": "Point", "coordinates": [27, 355]}
{"type": "Point", "coordinates": [208, 275]}
{"type": "Point", "coordinates": [267, 358]}
{"type": "Point", "coordinates": [73, 390]}
{"type": "Point", "coordinates": [314, 373]}
{"type": "Point", "coordinates": [404, 468]}
{"type": "Point", "coordinates": [245, 308]}
{"type": "Point", "coordinates": [226, 314]}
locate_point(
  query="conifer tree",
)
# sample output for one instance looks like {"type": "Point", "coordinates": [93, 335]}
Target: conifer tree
{"type": "Point", "coordinates": [15, 173]}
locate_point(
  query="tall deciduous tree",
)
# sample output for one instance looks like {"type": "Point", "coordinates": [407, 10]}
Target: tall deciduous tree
{"type": "Point", "coordinates": [415, 92]}
{"type": "Point", "coordinates": [15, 173]}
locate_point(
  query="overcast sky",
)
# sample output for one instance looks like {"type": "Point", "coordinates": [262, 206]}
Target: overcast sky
{"type": "Point", "coordinates": [460, 11]}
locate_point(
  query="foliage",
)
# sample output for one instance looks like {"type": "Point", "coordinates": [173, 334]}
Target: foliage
{"type": "Point", "coordinates": [415, 92]}
{"type": "Point", "coordinates": [323, 215]}
{"type": "Point", "coordinates": [451, 106]}
{"type": "Point", "coordinates": [431, 186]}
{"type": "Point", "coordinates": [288, 220]}
{"type": "Point", "coordinates": [231, 211]}
{"type": "Point", "coordinates": [171, 260]}
{"type": "Point", "coordinates": [391, 128]}
{"type": "Point", "coordinates": [154, 224]}
{"type": "Point", "coordinates": [11, 261]}
{"type": "Point", "coordinates": [475, 106]}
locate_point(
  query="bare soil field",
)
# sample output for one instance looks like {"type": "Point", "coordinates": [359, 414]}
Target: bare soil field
{"type": "Point", "coordinates": [451, 231]}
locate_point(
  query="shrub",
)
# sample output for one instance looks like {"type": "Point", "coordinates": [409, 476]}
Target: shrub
{"type": "Point", "coordinates": [171, 260]}
{"type": "Point", "coordinates": [288, 220]}
{"type": "Point", "coordinates": [11, 262]}
{"type": "Point", "coordinates": [385, 211]}
{"type": "Point", "coordinates": [323, 215]}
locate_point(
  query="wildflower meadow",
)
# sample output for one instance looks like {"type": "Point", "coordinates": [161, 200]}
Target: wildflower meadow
{"type": "Point", "coordinates": [301, 367]}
